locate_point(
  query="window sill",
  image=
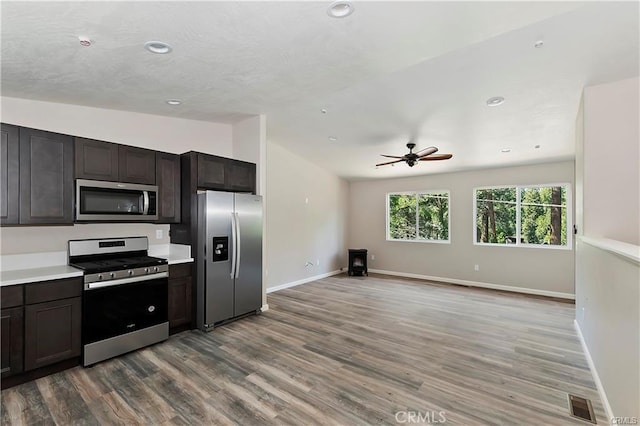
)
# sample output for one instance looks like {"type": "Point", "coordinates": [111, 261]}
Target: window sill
{"type": "Point", "coordinates": [529, 246]}
{"type": "Point", "coordinates": [421, 241]}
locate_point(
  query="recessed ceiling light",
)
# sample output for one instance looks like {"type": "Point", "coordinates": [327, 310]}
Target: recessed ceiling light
{"type": "Point", "coordinates": [537, 146]}
{"type": "Point", "coordinates": [495, 101]}
{"type": "Point", "coordinates": [84, 41]}
{"type": "Point", "coordinates": [174, 102]}
{"type": "Point", "coordinates": [324, 111]}
{"type": "Point", "coordinates": [538, 44]}
{"type": "Point", "coordinates": [340, 9]}
{"type": "Point", "coordinates": [159, 47]}
{"type": "Point", "coordinates": [505, 150]}
{"type": "Point", "coordinates": [333, 138]}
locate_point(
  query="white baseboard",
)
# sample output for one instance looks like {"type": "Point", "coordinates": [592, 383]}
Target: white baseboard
{"type": "Point", "coordinates": [302, 281]}
{"type": "Point", "coordinates": [603, 396]}
{"type": "Point", "coordinates": [479, 284]}
{"type": "Point", "coordinates": [264, 308]}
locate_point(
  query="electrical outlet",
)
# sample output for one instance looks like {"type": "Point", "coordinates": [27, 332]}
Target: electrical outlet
{"type": "Point", "coordinates": [159, 234]}
{"type": "Point", "coordinates": [476, 267]}
{"type": "Point", "coordinates": [373, 257]}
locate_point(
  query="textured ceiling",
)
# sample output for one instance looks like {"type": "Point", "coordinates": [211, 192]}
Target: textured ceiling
{"type": "Point", "coordinates": [387, 73]}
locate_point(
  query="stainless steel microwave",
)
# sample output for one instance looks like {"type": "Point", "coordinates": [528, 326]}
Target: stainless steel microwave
{"type": "Point", "coordinates": [115, 201]}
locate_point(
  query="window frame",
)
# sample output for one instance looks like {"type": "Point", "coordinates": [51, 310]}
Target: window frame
{"type": "Point", "coordinates": [423, 192]}
{"type": "Point", "coordinates": [569, 220]}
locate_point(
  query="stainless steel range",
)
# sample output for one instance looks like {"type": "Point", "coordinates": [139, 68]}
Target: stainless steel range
{"type": "Point", "coordinates": [124, 303]}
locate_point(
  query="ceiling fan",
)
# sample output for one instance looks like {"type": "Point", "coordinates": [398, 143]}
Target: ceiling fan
{"type": "Point", "coordinates": [411, 158]}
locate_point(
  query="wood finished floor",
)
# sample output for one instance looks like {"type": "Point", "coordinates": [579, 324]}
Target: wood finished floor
{"type": "Point", "coordinates": [339, 351]}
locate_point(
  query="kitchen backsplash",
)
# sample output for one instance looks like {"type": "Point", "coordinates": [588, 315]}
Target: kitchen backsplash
{"type": "Point", "coordinates": [36, 239]}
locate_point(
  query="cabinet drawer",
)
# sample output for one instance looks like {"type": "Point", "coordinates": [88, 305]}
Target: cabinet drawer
{"type": "Point", "coordinates": [11, 296]}
{"type": "Point", "coordinates": [180, 270]}
{"type": "Point", "coordinates": [52, 290]}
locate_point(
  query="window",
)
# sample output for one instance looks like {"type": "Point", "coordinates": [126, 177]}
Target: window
{"type": "Point", "coordinates": [523, 215]}
{"type": "Point", "coordinates": [418, 216]}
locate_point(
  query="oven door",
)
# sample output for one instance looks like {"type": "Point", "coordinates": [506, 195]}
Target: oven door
{"type": "Point", "coordinates": [122, 318]}
{"type": "Point", "coordinates": [100, 201]}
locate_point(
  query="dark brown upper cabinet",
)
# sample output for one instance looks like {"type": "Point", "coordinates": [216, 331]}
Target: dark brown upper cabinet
{"type": "Point", "coordinates": [96, 160]}
{"type": "Point", "coordinates": [168, 180]}
{"type": "Point", "coordinates": [99, 160]}
{"type": "Point", "coordinates": [137, 165]}
{"type": "Point", "coordinates": [211, 171]}
{"type": "Point", "coordinates": [240, 176]}
{"type": "Point", "coordinates": [226, 174]}
{"type": "Point", "coordinates": [10, 175]}
{"type": "Point", "coordinates": [46, 177]}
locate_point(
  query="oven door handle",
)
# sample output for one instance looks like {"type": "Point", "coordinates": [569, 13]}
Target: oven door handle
{"type": "Point", "coordinates": [102, 284]}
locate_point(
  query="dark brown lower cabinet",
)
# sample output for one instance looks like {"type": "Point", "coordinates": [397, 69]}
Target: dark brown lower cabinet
{"type": "Point", "coordinates": [12, 340]}
{"type": "Point", "coordinates": [180, 313]}
{"type": "Point", "coordinates": [52, 332]}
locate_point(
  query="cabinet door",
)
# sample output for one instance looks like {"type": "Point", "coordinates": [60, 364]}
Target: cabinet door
{"type": "Point", "coordinates": [46, 177]}
{"type": "Point", "coordinates": [137, 165]}
{"type": "Point", "coordinates": [52, 332]}
{"type": "Point", "coordinates": [12, 337]}
{"type": "Point", "coordinates": [96, 160]}
{"type": "Point", "coordinates": [211, 172]}
{"type": "Point", "coordinates": [179, 301]}
{"type": "Point", "coordinates": [168, 180]}
{"type": "Point", "coordinates": [240, 176]}
{"type": "Point", "coordinates": [9, 170]}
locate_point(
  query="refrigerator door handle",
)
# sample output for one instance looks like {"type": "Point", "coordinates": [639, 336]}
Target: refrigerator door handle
{"type": "Point", "coordinates": [234, 239]}
{"type": "Point", "coordinates": [237, 245]}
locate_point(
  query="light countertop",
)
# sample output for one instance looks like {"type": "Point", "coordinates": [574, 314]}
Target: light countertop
{"type": "Point", "coordinates": [31, 275]}
{"type": "Point", "coordinates": [50, 267]}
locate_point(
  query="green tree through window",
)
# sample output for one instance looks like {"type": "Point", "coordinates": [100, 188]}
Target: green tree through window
{"type": "Point", "coordinates": [522, 215]}
{"type": "Point", "coordinates": [422, 216]}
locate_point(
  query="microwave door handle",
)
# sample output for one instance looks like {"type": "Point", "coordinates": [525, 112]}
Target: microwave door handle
{"type": "Point", "coordinates": [145, 208]}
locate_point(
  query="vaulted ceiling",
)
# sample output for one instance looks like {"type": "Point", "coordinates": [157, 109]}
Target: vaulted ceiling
{"type": "Point", "coordinates": [389, 73]}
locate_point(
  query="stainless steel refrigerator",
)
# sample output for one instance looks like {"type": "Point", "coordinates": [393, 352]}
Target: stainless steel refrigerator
{"type": "Point", "coordinates": [229, 258]}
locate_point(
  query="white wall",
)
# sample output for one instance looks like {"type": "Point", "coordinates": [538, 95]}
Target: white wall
{"type": "Point", "coordinates": [607, 285]}
{"type": "Point", "coordinates": [306, 216]}
{"type": "Point", "coordinates": [250, 144]}
{"type": "Point", "coordinates": [611, 160]}
{"type": "Point", "coordinates": [175, 135]}
{"type": "Point", "coordinates": [538, 270]}
{"type": "Point", "coordinates": [36, 239]}
{"type": "Point", "coordinates": [167, 134]}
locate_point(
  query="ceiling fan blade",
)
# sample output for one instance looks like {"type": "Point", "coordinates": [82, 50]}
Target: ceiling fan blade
{"type": "Point", "coordinates": [391, 156]}
{"type": "Point", "coordinates": [427, 151]}
{"type": "Point", "coordinates": [436, 157]}
{"type": "Point", "coordinates": [389, 162]}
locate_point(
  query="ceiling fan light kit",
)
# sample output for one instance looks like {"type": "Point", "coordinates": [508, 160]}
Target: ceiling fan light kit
{"type": "Point", "coordinates": [425, 154]}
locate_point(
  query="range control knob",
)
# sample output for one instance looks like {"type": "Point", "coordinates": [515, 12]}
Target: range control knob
{"type": "Point", "coordinates": [99, 277]}
{"type": "Point", "coordinates": [146, 270]}
{"type": "Point", "coordinates": [130, 272]}
{"type": "Point", "coordinates": [112, 274]}
{"type": "Point", "coordinates": [155, 269]}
